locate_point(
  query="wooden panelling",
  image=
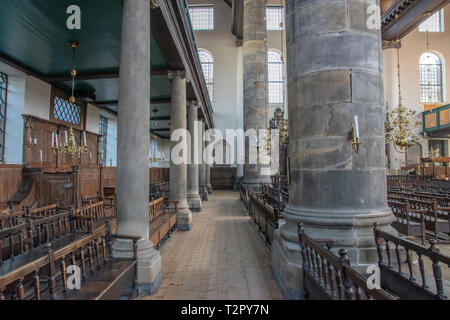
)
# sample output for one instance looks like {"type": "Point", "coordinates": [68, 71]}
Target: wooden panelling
{"type": "Point", "coordinates": [108, 177]}
{"type": "Point", "coordinates": [222, 177]}
{"type": "Point", "coordinates": [10, 179]}
{"type": "Point", "coordinates": [159, 175]}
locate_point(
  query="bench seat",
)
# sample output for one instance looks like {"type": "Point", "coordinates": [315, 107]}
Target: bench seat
{"type": "Point", "coordinates": [161, 226]}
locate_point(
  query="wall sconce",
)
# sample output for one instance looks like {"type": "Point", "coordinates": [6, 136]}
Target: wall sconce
{"type": "Point", "coordinates": [353, 135]}
{"type": "Point", "coordinates": [31, 142]}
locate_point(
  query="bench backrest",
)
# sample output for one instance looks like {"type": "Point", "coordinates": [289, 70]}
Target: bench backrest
{"type": "Point", "coordinates": [88, 215]}
{"type": "Point", "coordinates": [404, 284]}
{"type": "Point", "coordinates": [156, 208]}
{"type": "Point", "coordinates": [326, 276]}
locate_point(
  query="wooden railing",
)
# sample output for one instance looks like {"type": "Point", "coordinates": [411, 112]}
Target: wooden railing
{"type": "Point", "coordinates": [401, 280]}
{"type": "Point", "coordinates": [328, 277]}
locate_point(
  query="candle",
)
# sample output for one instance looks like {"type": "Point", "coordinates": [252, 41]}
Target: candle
{"type": "Point", "coordinates": [35, 141]}
{"type": "Point", "coordinates": [57, 143]}
{"type": "Point", "coordinates": [356, 127]}
{"type": "Point", "coordinates": [90, 155]}
{"type": "Point", "coordinates": [67, 139]}
{"type": "Point", "coordinates": [41, 155]}
{"type": "Point", "coordinates": [53, 139]}
{"type": "Point", "coordinates": [84, 135]}
{"type": "Point", "coordinates": [31, 140]}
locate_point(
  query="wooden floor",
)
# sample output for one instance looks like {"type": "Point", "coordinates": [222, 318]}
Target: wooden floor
{"type": "Point", "coordinates": [222, 257]}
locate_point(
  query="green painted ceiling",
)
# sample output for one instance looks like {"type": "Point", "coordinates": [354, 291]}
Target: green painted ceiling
{"type": "Point", "coordinates": [34, 35]}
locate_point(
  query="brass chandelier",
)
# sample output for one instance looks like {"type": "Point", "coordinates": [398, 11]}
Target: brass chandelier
{"type": "Point", "coordinates": [400, 124]}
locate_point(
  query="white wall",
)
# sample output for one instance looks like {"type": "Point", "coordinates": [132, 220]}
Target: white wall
{"type": "Point", "coordinates": [111, 139]}
{"type": "Point", "coordinates": [37, 98]}
{"type": "Point", "coordinates": [92, 118]}
{"type": "Point", "coordinates": [412, 47]}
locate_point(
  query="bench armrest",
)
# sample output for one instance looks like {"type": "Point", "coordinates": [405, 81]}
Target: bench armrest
{"type": "Point", "coordinates": [174, 202]}
{"type": "Point", "coordinates": [128, 237]}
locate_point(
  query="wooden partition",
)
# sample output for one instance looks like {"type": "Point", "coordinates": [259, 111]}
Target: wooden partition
{"type": "Point", "coordinates": [10, 179]}
{"type": "Point", "coordinates": [222, 177]}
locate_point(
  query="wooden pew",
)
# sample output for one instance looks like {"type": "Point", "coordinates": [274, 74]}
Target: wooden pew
{"type": "Point", "coordinates": [328, 277]}
{"type": "Point", "coordinates": [162, 221]}
{"type": "Point", "coordinates": [409, 222]}
{"type": "Point", "coordinates": [264, 216]}
{"type": "Point", "coordinates": [92, 216]}
{"type": "Point", "coordinates": [403, 283]}
{"type": "Point", "coordinates": [108, 203]}
{"type": "Point", "coordinates": [102, 277]}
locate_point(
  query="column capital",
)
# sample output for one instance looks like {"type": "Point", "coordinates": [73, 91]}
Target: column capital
{"type": "Point", "coordinates": [172, 74]}
{"type": "Point", "coordinates": [391, 44]}
{"type": "Point", "coordinates": [154, 4]}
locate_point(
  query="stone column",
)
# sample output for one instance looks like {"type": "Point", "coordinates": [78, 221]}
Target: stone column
{"type": "Point", "coordinates": [239, 177]}
{"type": "Point", "coordinates": [133, 145]}
{"type": "Point", "coordinates": [193, 197]}
{"type": "Point", "coordinates": [202, 169]}
{"type": "Point", "coordinates": [178, 172]}
{"type": "Point", "coordinates": [334, 73]}
{"type": "Point", "coordinates": [255, 52]}
{"type": "Point", "coordinates": [208, 179]}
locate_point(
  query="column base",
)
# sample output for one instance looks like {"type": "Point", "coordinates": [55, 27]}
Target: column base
{"type": "Point", "coordinates": [209, 188]}
{"type": "Point", "coordinates": [149, 275]}
{"type": "Point", "coordinates": [184, 219]}
{"type": "Point", "coordinates": [194, 202]}
{"type": "Point", "coordinates": [286, 268]}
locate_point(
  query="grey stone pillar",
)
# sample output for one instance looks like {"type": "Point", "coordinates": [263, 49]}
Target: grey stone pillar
{"type": "Point", "coordinates": [255, 52]}
{"type": "Point", "coordinates": [178, 172]}
{"type": "Point", "coordinates": [133, 145]}
{"type": "Point", "coordinates": [334, 73]}
{"type": "Point", "coordinates": [239, 177]}
{"type": "Point", "coordinates": [208, 179]}
{"type": "Point", "coordinates": [202, 169]}
{"type": "Point", "coordinates": [193, 197]}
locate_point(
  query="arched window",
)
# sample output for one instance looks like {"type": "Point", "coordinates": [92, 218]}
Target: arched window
{"type": "Point", "coordinates": [207, 61]}
{"type": "Point", "coordinates": [275, 68]}
{"type": "Point", "coordinates": [431, 85]}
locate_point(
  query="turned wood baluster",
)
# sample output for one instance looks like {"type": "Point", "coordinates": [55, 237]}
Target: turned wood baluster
{"type": "Point", "coordinates": [91, 257]}
{"type": "Point", "coordinates": [47, 233]}
{"type": "Point", "coordinates": [22, 242]}
{"type": "Point", "coordinates": [108, 240]}
{"type": "Point", "coordinates": [301, 232]}
{"type": "Point", "coordinates": [66, 224]}
{"type": "Point", "coordinates": [54, 236]}
{"type": "Point", "coordinates": [388, 252]}
{"type": "Point", "coordinates": [348, 285]}
{"type": "Point", "coordinates": [409, 262]}
{"type": "Point", "coordinates": [97, 251]}
{"type": "Point", "coordinates": [2, 296]}
{"type": "Point", "coordinates": [105, 258]}
{"type": "Point", "coordinates": [437, 272]}
{"type": "Point", "coordinates": [63, 273]}
{"type": "Point", "coordinates": [378, 243]}
{"type": "Point", "coordinates": [60, 228]}
{"type": "Point", "coordinates": [39, 232]}
{"type": "Point", "coordinates": [319, 267]}
{"type": "Point", "coordinates": [358, 294]}
{"type": "Point", "coordinates": [52, 272]}
{"type": "Point", "coordinates": [37, 286]}
{"type": "Point", "coordinates": [11, 246]}
{"type": "Point", "coordinates": [331, 274]}
{"type": "Point", "coordinates": [83, 263]}
{"type": "Point", "coordinates": [313, 263]}
{"type": "Point", "coordinates": [422, 271]}
{"type": "Point", "coordinates": [397, 253]}
{"type": "Point", "coordinates": [20, 290]}
{"type": "Point", "coordinates": [324, 272]}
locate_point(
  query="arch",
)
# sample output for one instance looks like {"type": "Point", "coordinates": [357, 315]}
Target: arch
{"type": "Point", "coordinates": [431, 77]}
{"type": "Point", "coordinates": [207, 63]}
{"type": "Point", "coordinates": [275, 76]}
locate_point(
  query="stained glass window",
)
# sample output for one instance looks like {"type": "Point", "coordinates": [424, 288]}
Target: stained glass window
{"type": "Point", "coordinates": [66, 111]}
{"type": "Point", "coordinates": [3, 102]}
{"type": "Point", "coordinates": [202, 17]}
{"type": "Point", "coordinates": [207, 62]}
{"type": "Point", "coordinates": [431, 85]}
{"type": "Point", "coordinates": [103, 130]}
{"type": "Point", "coordinates": [275, 70]}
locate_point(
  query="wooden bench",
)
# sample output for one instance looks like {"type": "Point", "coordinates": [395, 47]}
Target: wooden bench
{"type": "Point", "coordinates": [92, 216]}
{"type": "Point", "coordinates": [102, 278]}
{"type": "Point", "coordinates": [403, 283]}
{"type": "Point", "coordinates": [162, 221]}
{"type": "Point", "coordinates": [108, 203]}
{"type": "Point", "coordinates": [264, 216]}
{"type": "Point", "coordinates": [408, 221]}
{"type": "Point", "coordinates": [329, 277]}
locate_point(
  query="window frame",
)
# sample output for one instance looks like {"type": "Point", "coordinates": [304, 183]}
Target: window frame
{"type": "Point", "coordinates": [440, 12]}
{"type": "Point", "coordinates": [199, 7]}
{"type": "Point", "coordinates": [435, 88]}
{"type": "Point", "coordinates": [209, 85]}
{"type": "Point", "coordinates": [282, 81]}
{"type": "Point", "coordinates": [103, 139]}
{"type": "Point", "coordinates": [281, 18]}
{"type": "Point", "coordinates": [61, 94]}
{"type": "Point", "coordinates": [3, 109]}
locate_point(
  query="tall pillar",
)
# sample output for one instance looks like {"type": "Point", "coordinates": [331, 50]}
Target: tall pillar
{"type": "Point", "coordinates": [202, 169]}
{"type": "Point", "coordinates": [208, 179]}
{"type": "Point", "coordinates": [178, 172]}
{"type": "Point", "coordinates": [334, 73]}
{"type": "Point", "coordinates": [254, 50]}
{"type": "Point", "coordinates": [193, 197]}
{"type": "Point", "coordinates": [133, 145]}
